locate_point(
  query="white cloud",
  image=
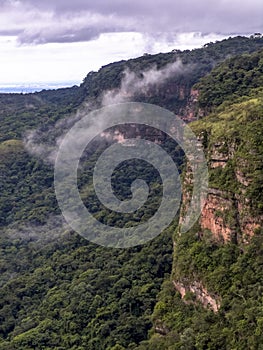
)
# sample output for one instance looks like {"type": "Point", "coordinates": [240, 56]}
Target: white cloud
{"type": "Point", "coordinates": [65, 61]}
{"type": "Point", "coordinates": [70, 62]}
{"type": "Point", "coordinates": [82, 35]}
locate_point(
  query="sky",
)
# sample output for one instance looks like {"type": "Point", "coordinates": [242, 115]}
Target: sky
{"type": "Point", "coordinates": [60, 41]}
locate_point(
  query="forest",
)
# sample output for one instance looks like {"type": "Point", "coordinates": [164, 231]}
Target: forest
{"type": "Point", "coordinates": [60, 291]}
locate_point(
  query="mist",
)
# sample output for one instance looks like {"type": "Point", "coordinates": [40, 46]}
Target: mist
{"type": "Point", "coordinates": [131, 85]}
{"type": "Point", "coordinates": [45, 144]}
{"type": "Point", "coordinates": [54, 229]}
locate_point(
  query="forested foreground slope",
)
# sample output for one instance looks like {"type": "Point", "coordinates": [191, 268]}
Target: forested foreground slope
{"type": "Point", "coordinates": [200, 290]}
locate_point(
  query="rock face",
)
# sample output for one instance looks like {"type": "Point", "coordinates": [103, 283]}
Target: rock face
{"type": "Point", "coordinates": [200, 294]}
{"type": "Point", "coordinates": [191, 111]}
{"type": "Point", "coordinates": [211, 217]}
{"type": "Point", "coordinates": [160, 328]}
{"type": "Point", "coordinates": [218, 157]}
{"type": "Point", "coordinates": [175, 96]}
{"type": "Point", "coordinates": [227, 211]}
{"type": "Point", "coordinates": [186, 109]}
{"type": "Point", "coordinates": [228, 219]}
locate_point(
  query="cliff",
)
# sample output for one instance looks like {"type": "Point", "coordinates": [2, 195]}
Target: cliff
{"type": "Point", "coordinates": [234, 157]}
{"type": "Point", "coordinates": [216, 281]}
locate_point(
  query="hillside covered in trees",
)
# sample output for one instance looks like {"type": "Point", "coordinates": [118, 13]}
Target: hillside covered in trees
{"type": "Point", "coordinates": [197, 290]}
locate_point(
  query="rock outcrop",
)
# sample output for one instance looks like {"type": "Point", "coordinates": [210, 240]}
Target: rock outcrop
{"type": "Point", "coordinates": [200, 294]}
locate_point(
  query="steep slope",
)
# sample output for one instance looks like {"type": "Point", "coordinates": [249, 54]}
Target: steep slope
{"type": "Point", "coordinates": [233, 136]}
{"type": "Point", "coordinates": [214, 297]}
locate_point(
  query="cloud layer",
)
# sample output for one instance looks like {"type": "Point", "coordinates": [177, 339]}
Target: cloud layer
{"type": "Point", "coordinates": [38, 22]}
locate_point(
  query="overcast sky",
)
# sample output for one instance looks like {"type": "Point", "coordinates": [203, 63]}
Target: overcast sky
{"type": "Point", "coordinates": [62, 40]}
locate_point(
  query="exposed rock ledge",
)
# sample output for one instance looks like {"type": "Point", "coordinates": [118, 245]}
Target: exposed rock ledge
{"type": "Point", "coordinates": [160, 328]}
{"type": "Point", "coordinates": [200, 292]}
{"type": "Point", "coordinates": [210, 219]}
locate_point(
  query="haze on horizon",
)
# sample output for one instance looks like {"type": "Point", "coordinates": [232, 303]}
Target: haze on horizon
{"type": "Point", "coordinates": [60, 41]}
